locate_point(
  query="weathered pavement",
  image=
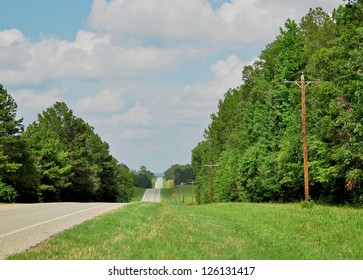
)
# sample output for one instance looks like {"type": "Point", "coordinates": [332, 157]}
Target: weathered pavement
{"type": "Point", "coordinates": [153, 195]}
{"type": "Point", "coordinates": [25, 225]}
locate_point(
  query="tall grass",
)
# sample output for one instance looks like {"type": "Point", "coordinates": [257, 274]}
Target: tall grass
{"type": "Point", "coordinates": [178, 195]}
{"type": "Point", "coordinates": [138, 194]}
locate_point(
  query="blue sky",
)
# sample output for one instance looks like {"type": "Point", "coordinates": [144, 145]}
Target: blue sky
{"type": "Point", "coordinates": [146, 74]}
{"type": "Point", "coordinates": [46, 17]}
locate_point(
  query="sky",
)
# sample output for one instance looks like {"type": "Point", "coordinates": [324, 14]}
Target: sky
{"type": "Point", "coordinates": [146, 74]}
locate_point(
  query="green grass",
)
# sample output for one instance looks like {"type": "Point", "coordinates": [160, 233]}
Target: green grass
{"type": "Point", "coordinates": [165, 183]}
{"type": "Point", "coordinates": [153, 181]}
{"type": "Point", "coordinates": [178, 195]}
{"type": "Point", "coordinates": [171, 230]}
{"type": "Point", "coordinates": [138, 194]}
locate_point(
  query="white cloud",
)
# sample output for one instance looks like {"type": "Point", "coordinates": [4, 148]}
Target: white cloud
{"type": "Point", "coordinates": [162, 18]}
{"type": "Point", "coordinates": [36, 101]}
{"type": "Point", "coordinates": [88, 40]}
{"type": "Point", "coordinates": [134, 134]}
{"type": "Point", "coordinates": [9, 37]}
{"type": "Point", "coordinates": [187, 21]}
{"type": "Point", "coordinates": [198, 101]}
{"type": "Point", "coordinates": [227, 74]}
{"type": "Point", "coordinates": [191, 105]}
{"type": "Point", "coordinates": [134, 37]}
{"type": "Point", "coordinates": [107, 101]}
{"type": "Point", "coordinates": [50, 58]}
{"type": "Point", "coordinates": [32, 102]}
{"type": "Point", "coordinates": [228, 68]}
{"type": "Point", "coordinates": [195, 21]}
{"type": "Point", "coordinates": [90, 56]}
{"type": "Point", "coordinates": [136, 116]}
{"type": "Point", "coordinates": [169, 20]}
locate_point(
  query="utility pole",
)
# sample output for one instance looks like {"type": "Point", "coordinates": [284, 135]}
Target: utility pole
{"type": "Point", "coordinates": [211, 179]}
{"type": "Point", "coordinates": [303, 84]}
{"type": "Point", "coordinates": [193, 192]}
{"type": "Point", "coordinates": [183, 195]}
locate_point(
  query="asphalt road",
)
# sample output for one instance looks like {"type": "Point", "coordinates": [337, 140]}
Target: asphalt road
{"type": "Point", "coordinates": [159, 183]}
{"type": "Point", "coordinates": [25, 225]}
{"type": "Point", "coordinates": [153, 195]}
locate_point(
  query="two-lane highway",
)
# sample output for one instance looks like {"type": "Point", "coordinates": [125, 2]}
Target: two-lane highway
{"type": "Point", "coordinates": [25, 225]}
{"type": "Point", "coordinates": [153, 195]}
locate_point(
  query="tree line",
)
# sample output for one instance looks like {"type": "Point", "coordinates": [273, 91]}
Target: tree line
{"type": "Point", "coordinates": [180, 174]}
{"type": "Point", "coordinates": [59, 157]}
{"type": "Point", "coordinates": [143, 177]}
{"type": "Point", "coordinates": [255, 136]}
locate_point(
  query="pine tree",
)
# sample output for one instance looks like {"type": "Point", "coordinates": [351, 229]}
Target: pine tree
{"type": "Point", "coordinates": [17, 170]}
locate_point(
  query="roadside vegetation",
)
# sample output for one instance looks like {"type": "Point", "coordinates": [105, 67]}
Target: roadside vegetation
{"type": "Point", "coordinates": [165, 183]}
{"type": "Point", "coordinates": [137, 194]}
{"type": "Point", "coordinates": [178, 195]}
{"type": "Point", "coordinates": [59, 158]}
{"type": "Point", "coordinates": [179, 174]}
{"type": "Point", "coordinates": [255, 136]}
{"type": "Point", "coordinates": [173, 230]}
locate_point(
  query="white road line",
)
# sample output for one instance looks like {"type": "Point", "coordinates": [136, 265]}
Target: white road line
{"type": "Point", "coordinates": [48, 221]}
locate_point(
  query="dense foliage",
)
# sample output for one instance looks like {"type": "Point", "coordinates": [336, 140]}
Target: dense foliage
{"type": "Point", "coordinates": [143, 178]}
{"type": "Point", "coordinates": [255, 136]}
{"type": "Point", "coordinates": [58, 158]}
{"type": "Point", "coordinates": [18, 178]}
{"type": "Point", "coordinates": [180, 174]}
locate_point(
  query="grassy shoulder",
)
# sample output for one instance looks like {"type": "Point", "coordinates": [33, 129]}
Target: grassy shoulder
{"type": "Point", "coordinates": [138, 194]}
{"type": "Point", "coordinates": [171, 230]}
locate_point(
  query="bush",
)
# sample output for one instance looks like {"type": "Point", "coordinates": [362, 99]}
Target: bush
{"type": "Point", "coordinates": [48, 193]}
{"type": "Point", "coordinates": [7, 193]}
{"type": "Point", "coordinates": [308, 204]}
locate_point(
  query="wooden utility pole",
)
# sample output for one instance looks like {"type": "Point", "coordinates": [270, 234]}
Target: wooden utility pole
{"type": "Point", "coordinates": [303, 84]}
{"type": "Point", "coordinates": [182, 193]}
{"type": "Point", "coordinates": [193, 192]}
{"type": "Point", "coordinates": [211, 179]}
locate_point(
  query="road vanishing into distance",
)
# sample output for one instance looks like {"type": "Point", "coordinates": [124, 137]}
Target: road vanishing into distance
{"type": "Point", "coordinates": [153, 195]}
{"type": "Point", "coordinates": [25, 225]}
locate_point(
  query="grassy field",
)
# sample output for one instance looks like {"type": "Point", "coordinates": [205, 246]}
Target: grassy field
{"type": "Point", "coordinates": [165, 183]}
{"type": "Point", "coordinates": [172, 230]}
{"type": "Point", "coordinates": [177, 195]}
{"type": "Point", "coordinates": [138, 194]}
